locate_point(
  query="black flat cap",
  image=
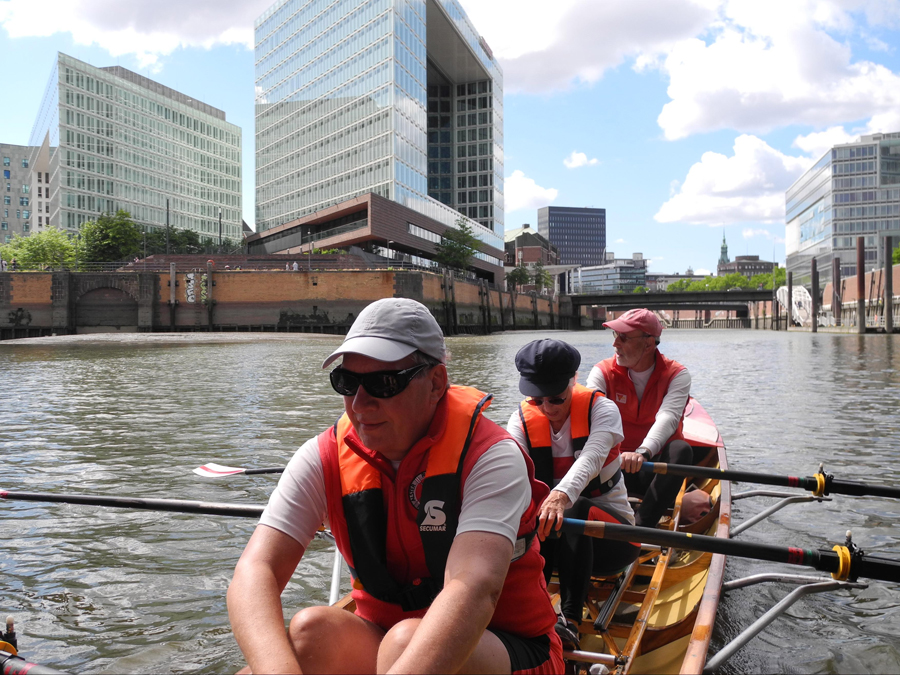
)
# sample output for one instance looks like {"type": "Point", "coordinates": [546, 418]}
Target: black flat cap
{"type": "Point", "coordinates": [546, 366]}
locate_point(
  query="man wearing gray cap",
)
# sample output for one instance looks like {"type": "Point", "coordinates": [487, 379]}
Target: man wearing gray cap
{"type": "Point", "coordinates": [432, 506]}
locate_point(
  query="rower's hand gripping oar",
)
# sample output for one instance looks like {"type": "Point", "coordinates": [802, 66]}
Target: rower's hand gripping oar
{"type": "Point", "coordinates": [212, 470]}
{"type": "Point", "coordinates": [843, 562]}
{"type": "Point", "coordinates": [820, 484]}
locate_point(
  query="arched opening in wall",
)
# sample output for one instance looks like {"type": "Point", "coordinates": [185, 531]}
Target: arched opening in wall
{"type": "Point", "coordinates": [106, 310]}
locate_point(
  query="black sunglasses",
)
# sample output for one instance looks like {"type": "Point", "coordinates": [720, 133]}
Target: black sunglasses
{"type": "Point", "coordinates": [555, 400]}
{"type": "Point", "coordinates": [380, 384]}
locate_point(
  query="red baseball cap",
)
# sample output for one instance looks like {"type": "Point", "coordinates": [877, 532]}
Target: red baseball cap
{"type": "Point", "coordinates": [636, 319]}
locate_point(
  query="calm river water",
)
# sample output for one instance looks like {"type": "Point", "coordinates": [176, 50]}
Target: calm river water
{"type": "Point", "coordinates": [98, 590]}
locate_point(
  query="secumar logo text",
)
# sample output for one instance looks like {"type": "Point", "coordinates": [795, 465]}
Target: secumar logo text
{"type": "Point", "coordinates": [435, 519]}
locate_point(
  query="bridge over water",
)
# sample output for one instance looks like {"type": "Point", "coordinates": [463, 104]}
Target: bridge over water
{"type": "Point", "coordinates": [736, 300]}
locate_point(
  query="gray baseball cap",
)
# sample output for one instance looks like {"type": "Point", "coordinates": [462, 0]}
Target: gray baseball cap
{"type": "Point", "coordinates": [391, 329]}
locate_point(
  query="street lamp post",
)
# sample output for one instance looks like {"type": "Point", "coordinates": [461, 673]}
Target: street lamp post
{"type": "Point", "coordinates": [167, 226]}
{"type": "Point", "coordinates": [390, 252]}
{"type": "Point", "coordinates": [309, 257]}
{"type": "Point", "coordinates": [220, 230]}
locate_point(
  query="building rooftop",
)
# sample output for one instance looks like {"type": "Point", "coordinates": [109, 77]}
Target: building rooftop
{"type": "Point", "coordinates": [163, 90]}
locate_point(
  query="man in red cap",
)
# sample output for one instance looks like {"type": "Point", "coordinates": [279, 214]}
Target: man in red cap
{"type": "Point", "coordinates": [651, 392]}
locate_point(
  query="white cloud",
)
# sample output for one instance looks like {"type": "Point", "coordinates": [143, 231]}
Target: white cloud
{"type": "Point", "coordinates": [702, 271]}
{"type": "Point", "coordinates": [750, 233]}
{"type": "Point", "coordinates": [770, 63]}
{"type": "Point", "coordinates": [544, 47]}
{"type": "Point", "coordinates": [620, 241]}
{"type": "Point", "coordinates": [146, 29]}
{"type": "Point", "coordinates": [523, 193]}
{"type": "Point", "coordinates": [818, 143]}
{"type": "Point", "coordinates": [746, 187]}
{"type": "Point", "coordinates": [577, 159]}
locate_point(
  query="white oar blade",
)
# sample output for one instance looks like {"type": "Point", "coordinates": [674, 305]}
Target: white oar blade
{"type": "Point", "coordinates": [217, 470]}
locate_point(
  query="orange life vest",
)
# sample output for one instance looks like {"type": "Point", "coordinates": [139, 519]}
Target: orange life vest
{"type": "Point", "coordinates": [395, 528]}
{"type": "Point", "coordinates": [548, 468]}
{"type": "Point", "coordinates": [639, 416]}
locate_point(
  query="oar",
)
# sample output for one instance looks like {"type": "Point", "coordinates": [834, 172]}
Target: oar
{"type": "Point", "coordinates": [175, 505]}
{"type": "Point", "coordinates": [819, 484]}
{"type": "Point", "coordinates": [218, 471]}
{"type": "Point", "coordinates": [844, 563]}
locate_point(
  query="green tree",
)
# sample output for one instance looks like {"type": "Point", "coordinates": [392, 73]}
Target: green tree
{"type": "Point", "coordinates": [896, 255]}
{"type": "Point", "coordinates": [765, 280]}
{"type": "Point", "coordinates": [641, 289]}
{"type": "Point", "coordinates": [111, 238]}
{"type": "Point", "coordinates": [458, 246]}
{"type": "Point", "coordinates": [542, 278]}
{"type": "Point", "coordinates": [519, 276]}
{"type": "Point", "coordinates": [678, 286]}
{"type": "Point", "coordinates": [180, 241]}
{"type": "Point", "coordinates": [49, 247]}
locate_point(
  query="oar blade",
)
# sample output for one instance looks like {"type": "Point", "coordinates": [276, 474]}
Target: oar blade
{"type": "Point", "coordinates": [217, 470]}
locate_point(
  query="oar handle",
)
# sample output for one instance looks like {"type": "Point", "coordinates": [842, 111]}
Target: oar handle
{"type": "Point", "coordinates": [174, 505]}
{"type": "Point", "coordinates": [269, 469]}
{"type": "Point", "coordinates": [819, 484]}
{"type": "Point", "coordinates": [824, 561]}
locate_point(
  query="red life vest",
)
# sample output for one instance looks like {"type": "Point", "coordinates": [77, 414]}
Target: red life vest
{"type": "Point", "coordinates": [639, 416]}
{"type": "Point", "coordinates": [548, 468]}
{"type": "Point", "coordinates": [395, 528]}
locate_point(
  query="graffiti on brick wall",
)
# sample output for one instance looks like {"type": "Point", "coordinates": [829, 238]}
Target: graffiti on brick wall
{"type": "Point", "coordinates": [195, 287]}
{"type": "Point", "coordinates": [19, 317]}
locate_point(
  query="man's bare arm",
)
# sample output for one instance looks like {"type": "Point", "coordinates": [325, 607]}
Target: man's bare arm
{"type": "Point", "coordinates": [455, 623]}
{"type": "Point", "coordinates": [254, 600]}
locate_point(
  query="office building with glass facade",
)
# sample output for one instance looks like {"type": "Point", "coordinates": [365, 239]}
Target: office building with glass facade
{"type": "Point", "coordinates": [107, 139]}
{"type": "Point", "coordinates": [578, 233]}
{"type": "Point", "coordinates": [615, 275]}
{"type": "Point", "coordinates": [18, 202]}
{"type": "Point", "coordinates": [852, 191]}
{"type": "Point", "coordinates": [399, 98]}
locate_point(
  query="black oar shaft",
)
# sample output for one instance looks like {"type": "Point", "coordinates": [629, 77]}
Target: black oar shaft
{"type": "Point", "coordinates": [824, 561]}
{"type": "Point", "coordinates": [811, 483]}
{"type": "Point", "coordinates": [173, 505]}
{"type": "Point", "coordinates": [270, 469]}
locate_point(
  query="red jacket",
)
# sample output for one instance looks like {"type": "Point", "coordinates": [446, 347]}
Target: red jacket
{"type": "Point", "coordinates": [639, 416]}
{"type": "Point", "coordinates": [395, 528]}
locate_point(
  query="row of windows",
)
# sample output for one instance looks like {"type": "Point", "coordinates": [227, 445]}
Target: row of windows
{"type": "Point", "coordinates": [6, 163]}
{"type": "Point", "coordinates": [855, 182]}
{"type": "Point", "coordinates": [843, 227]}
{"type": "Point", "coordinates": [474, 196]}
{"type": "Point", "coordinates": [867, 211]}
{"type": "Point", "coordinates": [422, 233]}
{"type": "Point", "coordinates": [843, 168]}
{"type": "Point", "coordinates": [853, 153]}
{"type": "Point", "coordinates": [472, 165]}
{"type": "Point", "coordinates": [137, 102]}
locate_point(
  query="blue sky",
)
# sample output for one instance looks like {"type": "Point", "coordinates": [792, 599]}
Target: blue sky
{"type": "Point", "coordinates": [683, 118]}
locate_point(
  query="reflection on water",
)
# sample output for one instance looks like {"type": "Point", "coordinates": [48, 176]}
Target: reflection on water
{"type": "Point", "coordinates": [107, 591]}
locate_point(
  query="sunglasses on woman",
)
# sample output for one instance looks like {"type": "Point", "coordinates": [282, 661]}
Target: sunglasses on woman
{"type": "Point", "coordinates": [555, 400]}
{"type": "Point", "coordinates": [380, 384]}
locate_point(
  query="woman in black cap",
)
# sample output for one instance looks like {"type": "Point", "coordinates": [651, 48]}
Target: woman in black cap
{"type": "Point", "coordinates": [572, 434]}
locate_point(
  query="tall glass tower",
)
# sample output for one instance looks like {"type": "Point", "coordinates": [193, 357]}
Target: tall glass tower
{"type": "Point", "coordinates": [400, 98]}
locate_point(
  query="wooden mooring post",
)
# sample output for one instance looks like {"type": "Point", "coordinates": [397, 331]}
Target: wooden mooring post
{"type": "Point", "coordinates": [861, 285]}
{"type": "Point", "coordinates": [837, 299]}
{"type": "Point", "coordinates": [814, 309]}
{"type": "Point", "coordinates": [888, 285]}
{"type": "Point", "coordinates": [790, 299]}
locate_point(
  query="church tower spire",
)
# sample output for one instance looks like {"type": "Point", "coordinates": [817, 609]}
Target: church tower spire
{"type": "Point", "coordinates": [723, 258]}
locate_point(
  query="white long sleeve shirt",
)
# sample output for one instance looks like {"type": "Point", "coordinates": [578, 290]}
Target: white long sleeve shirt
{"type": "Point", "coordinates": [670, 410]}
